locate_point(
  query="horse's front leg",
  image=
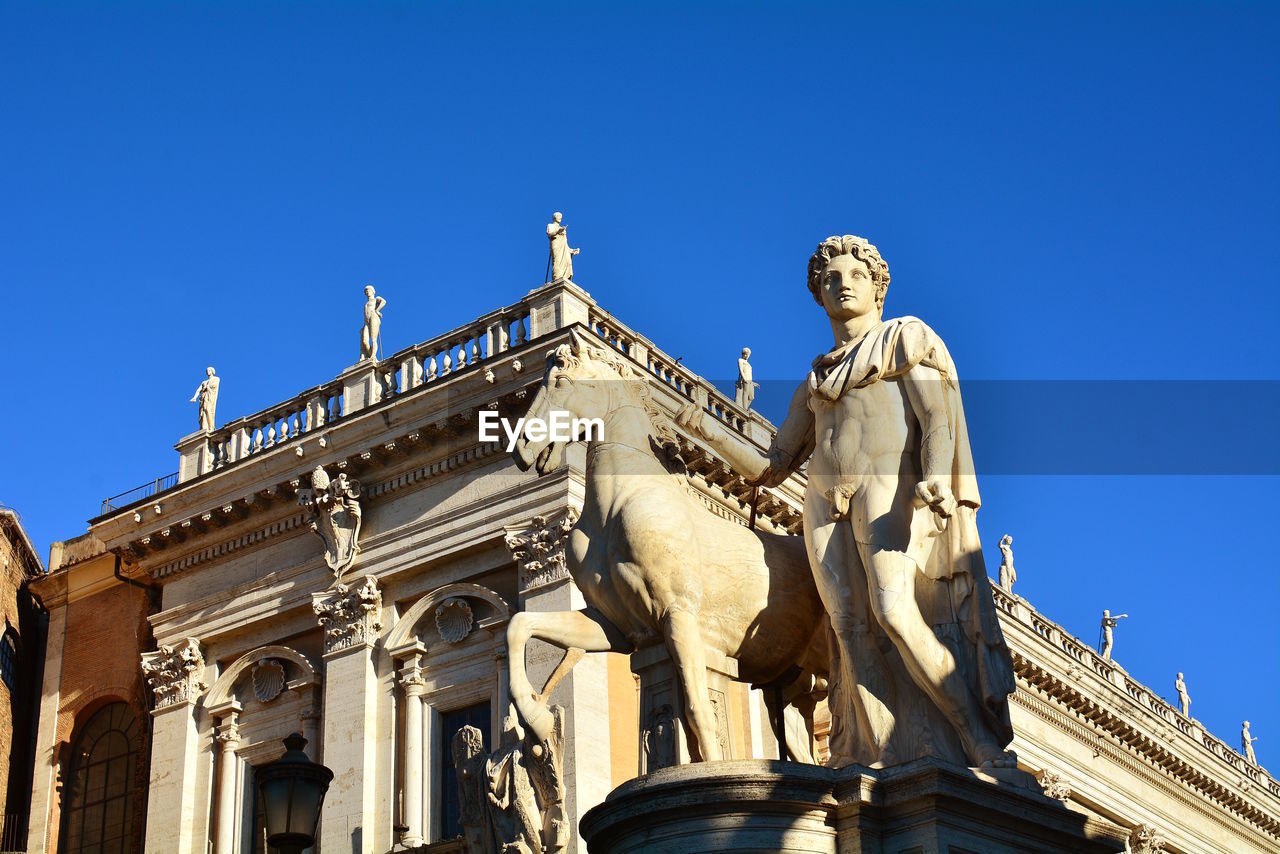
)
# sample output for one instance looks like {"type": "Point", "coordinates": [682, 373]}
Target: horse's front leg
{"type": "Point", "coordinates": [586, 630]}
{"type": "Point", "coordinates": [684, 642]}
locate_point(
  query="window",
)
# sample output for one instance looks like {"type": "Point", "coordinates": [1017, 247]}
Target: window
{"type": "Point", "coordinates": [447, 798]}
{"type": "Point", "coordinates": [99, 795]}
{"type": "Point", "coordinates": [8, 657]}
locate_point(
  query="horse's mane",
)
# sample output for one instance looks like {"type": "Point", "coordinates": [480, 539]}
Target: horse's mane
{"type": "Point", "coordinates": [635, 381]}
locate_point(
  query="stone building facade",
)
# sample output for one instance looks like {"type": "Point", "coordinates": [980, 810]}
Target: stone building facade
{"type": "Point", "coordinates": [253, 633]}
{"type": "Point", "coordinates": [21, 652]}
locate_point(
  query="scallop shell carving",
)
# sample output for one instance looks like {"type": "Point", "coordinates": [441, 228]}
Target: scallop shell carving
{"type": "Point", "coordinates": [268, 679]}
{"type": "Point", "coordinates": [454, 620]}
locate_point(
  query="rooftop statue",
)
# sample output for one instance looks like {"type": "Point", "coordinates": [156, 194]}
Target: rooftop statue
{"type": "Point", "coordinates": [1184, 699]}
{"type": "Point", "coordinates": [1008, 575]}
{"type": "Point", "coordinates": [920, 665]}
{"type": "Point", "coordinates": [371, 332]}
{"type": "Point", "coordinates": [207, 396]}
{"type": "Point", "coordinates": [1246, 744]}
{"type": "Point", "coordinates": [744, 390]}
{"type": "Point", "coordinates": [657, 566]}
{"type": "Point", "coordinates": [1108, 634]}
{"type": "Point", "coordinates": [561, 255]}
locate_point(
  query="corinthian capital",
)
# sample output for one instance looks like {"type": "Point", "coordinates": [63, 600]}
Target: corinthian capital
{"type": "Point", "coordinates": [538, 547]}
{"type": "Point", "coordinates": [350, 616]}
{"type": "Point", "coordinates": [175, 673]}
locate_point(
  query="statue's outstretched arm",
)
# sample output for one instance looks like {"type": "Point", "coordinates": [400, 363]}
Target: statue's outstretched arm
{"type": "Point", "coordinates": [789, 450]}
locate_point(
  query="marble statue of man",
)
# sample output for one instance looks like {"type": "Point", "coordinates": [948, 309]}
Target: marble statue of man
{"type": "Point", "coordinates": [744, 390]}
{"type": "Point", "coordinates": [207, 396]}
{"type": "Point", "coordinates": [1108, 636]}
{"type": "Point", "coordinates": [561, 254]}
{"type": "Point", "coordinates": [1008, 574]}
{"type": "Point", "coordinates": [371, 332]}
{"type": "Point", "coordinates": [1246, 742]}
{"type": "Point", "coordinates": [1184, 699]}
{"type": "Point", "coordinates": [919, 662]}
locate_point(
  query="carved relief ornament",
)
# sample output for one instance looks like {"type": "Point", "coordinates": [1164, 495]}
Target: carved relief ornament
{"type": "Point", "coordinates": [349, 616]}
{"type": "Point", "coordinates": [538, 548]}
{"type": "Point", "coordinates": [175, 672]}
{"type": "Point", "coordinates": [335, 517]}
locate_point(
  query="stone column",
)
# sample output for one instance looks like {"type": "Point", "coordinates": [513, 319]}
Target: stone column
{"type": "Point", "coordinates": [414, 687]}
{"type": "Point", "coordinates": [228, 739]}
{"type": "Point", "coordinates": [176, 676]}
{"type": "Point", "coordinates": [351, 618]}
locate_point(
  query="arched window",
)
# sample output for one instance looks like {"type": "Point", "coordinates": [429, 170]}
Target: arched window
{"type": "Point", "coordinates": [8, 657]}
{"type": "Point", "coordinates": [99, 791]}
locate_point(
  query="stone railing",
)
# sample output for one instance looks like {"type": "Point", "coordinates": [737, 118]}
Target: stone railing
{"type": "Point", "coordinates": [1018, 610]}
{"type": "Point", "coordinates": [685, 382]}
{"type": "Point", "coordinates": [362, 385]}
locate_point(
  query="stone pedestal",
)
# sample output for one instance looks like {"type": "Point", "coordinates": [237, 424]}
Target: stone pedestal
{"type": "Point", "coordinates": [926, 806]}
{"type": "Point", "coordinates": [360, 387]}
{"type": "Point", "coordinates": [195, 456]}
{"type": "Point", "coordinates": [663, 741]}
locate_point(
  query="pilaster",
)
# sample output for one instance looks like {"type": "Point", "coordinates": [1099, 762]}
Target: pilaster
{"type": "Point", "coordinates": [351, 618]}
{"type": "Point", "coordinates": [545, 585]}
{"type": "Point", "coordinates": [176, 676]}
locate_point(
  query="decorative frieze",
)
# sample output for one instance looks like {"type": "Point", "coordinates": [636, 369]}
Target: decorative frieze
{"type": "Point", "coordinates": [175, 673]}
{"type": "Point", "coordinates": [349, 616]}
{"type": "Point", "coordinates": [538, 548]}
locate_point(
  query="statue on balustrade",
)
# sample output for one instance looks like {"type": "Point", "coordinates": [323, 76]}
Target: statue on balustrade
{"type": "Point", "coordinates": [1184, 699]}
{"type": "Point", "coordinates": [1246, 744]}
{"type": "Point", "coordinates": [744, 390]}
{"type": "Point", "coordinates": [919, 665]}
{"type": "Point", "coordinates": [561, 255]}
{"type": "Point", "coordinates": [1008, 575]}
{"type": "Point", "coordinates": [1109, 624]}
{"type": "Point", "coordinates": [207, 396]}
{"type": "Point", "coordinates": [512, 801]}
{"type": "Point", "coordinates": [371, 332]}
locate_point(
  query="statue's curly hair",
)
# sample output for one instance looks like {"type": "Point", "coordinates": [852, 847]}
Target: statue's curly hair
{"type": "Point", "coordinates": [859, 248]}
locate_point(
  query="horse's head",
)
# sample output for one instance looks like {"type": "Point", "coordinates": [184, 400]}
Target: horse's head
{"type": "Point", "coordinates": [578, 386]}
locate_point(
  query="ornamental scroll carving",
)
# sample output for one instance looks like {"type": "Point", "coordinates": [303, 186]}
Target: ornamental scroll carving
{"type": "Point", "coordinates": [335, 517]}
{"type": "Point", "coordinates": [349, 616]}
{"type": "Point", "coordinates": [538, 548]}
{"type": "Point", "coordinates": [174, 672]}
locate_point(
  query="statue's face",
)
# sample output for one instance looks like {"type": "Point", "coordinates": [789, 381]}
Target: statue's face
{"type": "Point", "coordinates": [847, 289]}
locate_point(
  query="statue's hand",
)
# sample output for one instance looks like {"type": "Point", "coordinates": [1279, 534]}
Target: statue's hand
{"type": "Point", "coordinates": [771, 476]}
{"type": "Point", "coordinates": [692, 418]}
{"type": "Point", "coordinates": [936, 494]}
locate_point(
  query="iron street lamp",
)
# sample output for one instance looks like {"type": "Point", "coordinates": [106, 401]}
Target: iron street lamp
{"type": "Point", "coordinates": [293, 789]}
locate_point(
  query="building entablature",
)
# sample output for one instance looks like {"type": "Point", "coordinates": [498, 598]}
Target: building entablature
{"type": "Point", "coordinates": [1066, 671]}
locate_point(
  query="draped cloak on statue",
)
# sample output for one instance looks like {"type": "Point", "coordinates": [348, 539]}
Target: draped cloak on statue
{"type": "Point", "coordinates": [954, 594]}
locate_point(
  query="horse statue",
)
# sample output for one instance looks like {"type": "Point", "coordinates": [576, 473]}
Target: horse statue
{"type": "Point", "coordinates": [654, 564]}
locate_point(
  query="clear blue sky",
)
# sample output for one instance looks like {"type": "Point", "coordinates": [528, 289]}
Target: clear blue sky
{"type": "Point", "coordinates": [1065, 192]}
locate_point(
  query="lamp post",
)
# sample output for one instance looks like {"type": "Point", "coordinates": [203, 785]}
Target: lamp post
{"type": "Point", "coordinates": [293, 789]}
